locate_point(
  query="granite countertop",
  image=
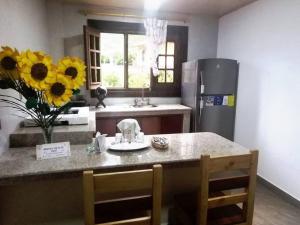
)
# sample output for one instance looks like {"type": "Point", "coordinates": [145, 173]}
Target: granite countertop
{"type": "Point", "coordinates": [123, 110]}
{"type": "Point", "coordinates": [21, 163]}
{"type": "Point", "coordinates": [113, 110]}
{"type": "Point", "coordinates": [83, 134]}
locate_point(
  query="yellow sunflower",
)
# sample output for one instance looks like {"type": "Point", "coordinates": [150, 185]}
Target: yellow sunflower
{"type": "Point", "coordinates": [36, 69]}
{"type": "Point", "coordinates": [74, 69]}
{"type": "Point", "coordinates": [8, 62]}
{"type": "Point", "coordinates": [59, 92]}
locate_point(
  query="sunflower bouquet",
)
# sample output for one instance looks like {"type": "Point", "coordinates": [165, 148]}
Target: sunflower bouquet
{"type": "Point", "coordinates": [46, 88]}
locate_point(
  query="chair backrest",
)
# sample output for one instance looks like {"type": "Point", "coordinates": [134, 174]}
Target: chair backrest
{"type": "Point", "coordinates": [120, 186]}
{"type": "Point", "coordinates": [208, 166]}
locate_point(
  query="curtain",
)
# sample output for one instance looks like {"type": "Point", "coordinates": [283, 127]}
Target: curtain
{"type": "Point", "coordinates": [156, 34]}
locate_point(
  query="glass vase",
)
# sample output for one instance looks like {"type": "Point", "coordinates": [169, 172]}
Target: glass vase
{"type": "Point", "coordinates": [48, 134]}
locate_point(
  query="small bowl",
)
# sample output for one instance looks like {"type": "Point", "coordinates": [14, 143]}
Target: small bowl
{"type": "Point", "coordinates": [160, 142]}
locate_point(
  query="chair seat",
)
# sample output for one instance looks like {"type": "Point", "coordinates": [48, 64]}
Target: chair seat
{"type": "Point", "coordinates": [186, 207]}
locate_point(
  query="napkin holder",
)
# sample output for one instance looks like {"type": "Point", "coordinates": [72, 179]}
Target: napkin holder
{"type": "Point", "coordinates": [100, 142]}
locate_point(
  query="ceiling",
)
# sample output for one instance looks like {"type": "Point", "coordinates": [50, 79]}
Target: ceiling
{"type": "Point", "coordinates": [208, 7]}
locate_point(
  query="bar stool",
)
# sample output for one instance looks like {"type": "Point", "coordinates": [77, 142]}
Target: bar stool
{"type": "Point", "coordinates": [123, 197]}
{"type": "Point", "coordinates": [214, 205]}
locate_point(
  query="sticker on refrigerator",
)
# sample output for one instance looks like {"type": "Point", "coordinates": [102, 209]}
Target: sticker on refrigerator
{"type": "Point", "coordinates": [209, 101]}
{"type": "Point", "coordinates": [231, 100]}
{"type": "Point", "coordinates": [228, 100]}
{"type": "Point", "coordinates": [225, 100]}
{"type": "Point", "coordinates": [218, 100]}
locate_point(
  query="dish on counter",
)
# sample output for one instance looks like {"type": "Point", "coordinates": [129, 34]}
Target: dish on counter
{"type": "Point", "coordinates": [129, 146]}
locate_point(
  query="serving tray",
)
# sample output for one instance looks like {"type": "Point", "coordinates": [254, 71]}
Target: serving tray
{"type": "Point", "coordinates": [128, 146]}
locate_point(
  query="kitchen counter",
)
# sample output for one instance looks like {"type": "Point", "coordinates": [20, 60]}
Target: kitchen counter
{"type": "Point", "coordinates": [125, 110]}
{"type": "Point", "coordinates": [18, 164]}
{"type": "Point", "coordinates": [76, 134]}
{"type": "Point", "coordinates": [82, 134]}
{"type": "Point", "coordinates": [163, 110]}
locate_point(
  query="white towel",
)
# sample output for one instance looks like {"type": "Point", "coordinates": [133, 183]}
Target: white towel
{"type": "Point", "coordinates": [129, 124]}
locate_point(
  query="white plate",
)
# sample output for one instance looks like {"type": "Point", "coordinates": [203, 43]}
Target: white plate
{"type": "Point", "coordinates": [128, 146]}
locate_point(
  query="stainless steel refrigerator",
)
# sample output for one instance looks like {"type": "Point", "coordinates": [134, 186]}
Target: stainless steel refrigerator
{"type": "Point", "coordinates": [209, 87]}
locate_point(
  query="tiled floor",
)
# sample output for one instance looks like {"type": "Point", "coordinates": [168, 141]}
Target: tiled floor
{"type": "Point", "coordinates": [270, 209]}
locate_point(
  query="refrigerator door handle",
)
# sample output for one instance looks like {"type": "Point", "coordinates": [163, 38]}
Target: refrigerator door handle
{"type": "Point", "coordinates": [202, 86]}
{"type": "Point", "coordinates": [200, 109]}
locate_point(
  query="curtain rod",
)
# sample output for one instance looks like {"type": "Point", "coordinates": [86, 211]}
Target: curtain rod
{"type": "Point", "coordinates": [172, 17]}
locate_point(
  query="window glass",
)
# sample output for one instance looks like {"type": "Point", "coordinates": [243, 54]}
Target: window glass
{"type": "Point", "coordinates": [170, 48]}
{"type": "Point", "coordinates": [161, 62]}
{"type": "Point", "coordinates": [170, 62]}
{"type": "Point", "coordinates": [112, 60]}
{"type": "Point", "coordinates": [162, 49]}
{"type": "Point", "coordinates": [138, 72]}
{"type": "Point", "coordinates": [161, 77]}
{"type": "Point", "coordinates": [170, 76]}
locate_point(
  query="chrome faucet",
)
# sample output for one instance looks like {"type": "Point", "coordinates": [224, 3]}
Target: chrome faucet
{"type": "Point", "coordinates": [143, 93]}
{"type": "Point", "coordinates": [142, 101]}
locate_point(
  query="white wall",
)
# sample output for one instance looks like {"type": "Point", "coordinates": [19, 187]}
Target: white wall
{"type": "Point", "coordinates": [264, 37]}
{"type": "Point", "coordinates": [23, 24]}
{"type": "Point", "coordinates": [203, 37]}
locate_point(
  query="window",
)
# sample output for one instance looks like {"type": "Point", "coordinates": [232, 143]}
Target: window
{"type": "Point", "coordinates": [112, 60]}
{"type": "Point", "coordinates": [166, 61]}
{"type": "Point", "coordinates": [138, 72]}
{"type": "Point", "coordinates": [115, 57]}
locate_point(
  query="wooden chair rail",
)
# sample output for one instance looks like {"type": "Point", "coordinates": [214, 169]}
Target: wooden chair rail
{"type": "Point", "coordinates": [227, 200]}
{"type": "Point", "coordinates": [229, 163]}
{"type": "Point", "coordinates": [123, 181]}
{"type": "Point", "coordinates": [136, 221]}
{"type": "Point", "coordinates": [123, 199]}
{"type": "Point", "coordinates": [114, 196]}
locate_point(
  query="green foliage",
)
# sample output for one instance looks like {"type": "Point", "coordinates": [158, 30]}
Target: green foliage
{"type": "Point", "coordinates": [138, 80]}
{"type": "Point", "coordinates": [6, 84]}
{"type": "Point", "coordinates": [131, 59]}
{"type": "Point", "coordinates": [105, 59]}
{"type": "Point", "coordinates": [111, 80]}
{"type": "Point", "coordinates": [118, 59]}
{"type": "Point", "coordinates": [31, 103]}
{"type": "Point", "coordinates": [76, 91]}
{"type": "Point", "coordinates": [44, 108]}
{"type": "Point", "coordinates": [27, 92]}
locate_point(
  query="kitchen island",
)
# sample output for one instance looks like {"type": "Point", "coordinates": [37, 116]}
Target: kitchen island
{"type": "Point", "coordinates": [51, 190]}
{"type": "Point", "coordinates": [20, 163]}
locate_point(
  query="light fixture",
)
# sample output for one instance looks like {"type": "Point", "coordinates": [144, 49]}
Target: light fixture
{"type": "Point", "coordinates": [152, 5]}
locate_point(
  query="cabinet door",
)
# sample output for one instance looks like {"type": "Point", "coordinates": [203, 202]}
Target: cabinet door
{"type": "Point", "coordinates": [171, 124]}
{"type": "Point", "coordinates": [106, 126]}
{"type": "Point", "coordinates": [151, 124]}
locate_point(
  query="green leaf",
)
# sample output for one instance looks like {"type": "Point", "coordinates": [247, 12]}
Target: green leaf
{"type": "Point", "coordinates": [27, 92]}
{"type": "Point", "coordinates": [44, 108]}
{"type": "Point", "coordinates": [6, 84]}
{"type": "Point", "coordinates": [61, 109]}
{"type": "Point", "coordinates": [76, 91]}
{"type": "Point", "coordinates": [31, 103]}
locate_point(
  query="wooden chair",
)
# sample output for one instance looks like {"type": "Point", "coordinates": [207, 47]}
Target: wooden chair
{"type": "Point", "coordinates": [217, 199]}
{"type": "Point", "coordinates": [111, 194]}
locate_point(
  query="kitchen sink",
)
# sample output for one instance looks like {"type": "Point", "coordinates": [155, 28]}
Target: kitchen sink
{"type": "Point", "coordinates": [144, 106]}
